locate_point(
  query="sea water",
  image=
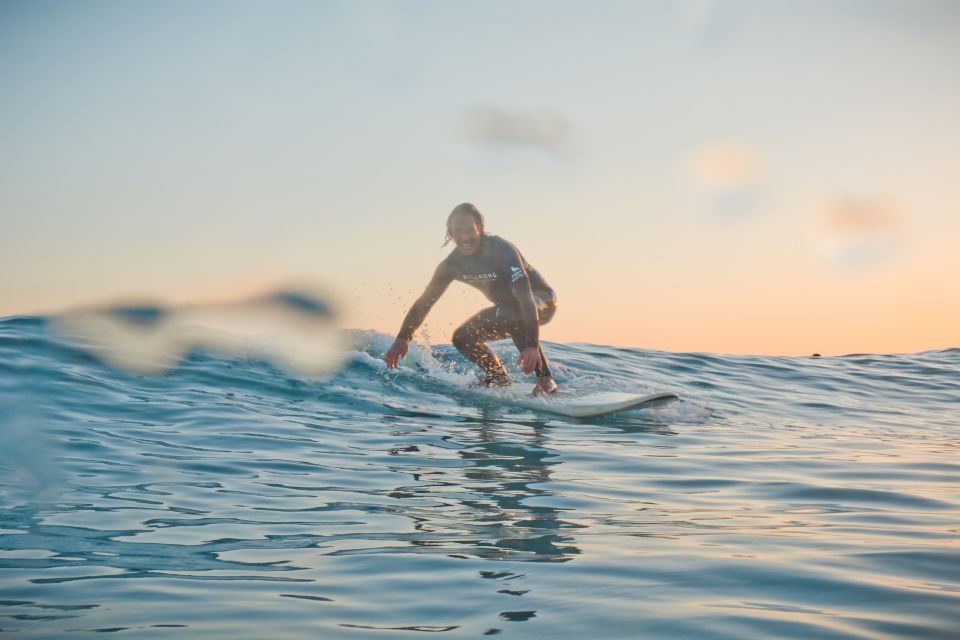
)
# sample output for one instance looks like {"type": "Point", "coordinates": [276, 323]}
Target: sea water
{"type": "Point", "coordinates": [228, 498]}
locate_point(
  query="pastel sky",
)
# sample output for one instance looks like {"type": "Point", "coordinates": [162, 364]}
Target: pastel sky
{"type": "Point", "coordinates": [756, 176]}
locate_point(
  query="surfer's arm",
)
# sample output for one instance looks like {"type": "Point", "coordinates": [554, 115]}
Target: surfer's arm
{"type": "Point", "coordinates": [417, 313]}
{"type": "Point", "coordinates": [530, 358]}
{"type": "Point", "coordinates": [529, 327]}
{"type": "Point", "coordinates": [529, 322]}
{"type": "Point", "coordinates": [515, 270]}
{"type": "Point", "coordinates": [522, 279]}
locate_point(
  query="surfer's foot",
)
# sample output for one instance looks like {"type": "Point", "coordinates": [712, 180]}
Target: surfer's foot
{"type": "Point", "coordinates": [545, 386]}
{"type": "Point", "coordinates": [497, 380]}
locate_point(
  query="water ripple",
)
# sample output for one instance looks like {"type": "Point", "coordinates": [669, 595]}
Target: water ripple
{"type": "Point", "coordinates": [782, 497]}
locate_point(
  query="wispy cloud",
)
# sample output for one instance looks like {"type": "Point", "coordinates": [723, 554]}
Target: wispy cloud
{"type": "Point", "coordinates": [544, 130]}
{"type": "Point", "coordinates": [859, 234]}
{"type": "Point", "coordinates": [709, 23]}
{"type": "Point", "coordinates": [726, 176]}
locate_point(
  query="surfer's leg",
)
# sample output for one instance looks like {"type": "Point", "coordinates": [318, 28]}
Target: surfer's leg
{"type": "Point", "coordinates": [471, 337]}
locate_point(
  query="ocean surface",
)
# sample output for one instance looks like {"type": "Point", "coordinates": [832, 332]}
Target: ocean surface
{"type": "Point", "coordinates": [779, 497]}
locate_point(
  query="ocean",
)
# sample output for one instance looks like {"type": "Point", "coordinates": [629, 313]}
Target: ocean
{"type": "Point", "coordinates": [228, 497]}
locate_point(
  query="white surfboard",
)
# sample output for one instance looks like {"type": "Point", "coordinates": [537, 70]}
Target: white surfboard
{"type": "Point", "coordinates": [575, 403]}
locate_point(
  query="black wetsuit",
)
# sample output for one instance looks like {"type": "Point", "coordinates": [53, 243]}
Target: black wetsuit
{"type": "Point", "coordinates": [523, 301]}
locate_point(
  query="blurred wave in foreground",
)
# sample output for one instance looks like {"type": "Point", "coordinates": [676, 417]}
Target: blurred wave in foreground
{"type": "Point", "coordinates": [295, 327]}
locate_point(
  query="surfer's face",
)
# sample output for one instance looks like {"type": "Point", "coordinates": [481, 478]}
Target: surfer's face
{"type": "Point", "coordinates": [466, 234]}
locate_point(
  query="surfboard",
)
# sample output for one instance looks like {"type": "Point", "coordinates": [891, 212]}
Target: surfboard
{"type": "Point", "coordinates": [575, 403]}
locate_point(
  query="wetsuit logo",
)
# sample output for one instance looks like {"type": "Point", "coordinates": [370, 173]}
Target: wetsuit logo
{"type": "Point", "coordinates": [474, 277]}
{"type": "Point", "coordinates": [516, 273]}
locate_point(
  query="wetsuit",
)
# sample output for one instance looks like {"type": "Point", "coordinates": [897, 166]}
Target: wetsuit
{"type": "Point", "coordinates": [522, 302]}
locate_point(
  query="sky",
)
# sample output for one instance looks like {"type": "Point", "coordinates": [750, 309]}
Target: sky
{"type": "Point", "coordinates": [747, 177]}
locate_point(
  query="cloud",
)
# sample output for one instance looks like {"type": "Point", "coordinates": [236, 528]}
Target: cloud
{"type": "Point", "coordinates": [860, 217]}
{"type": "Point", "coordinates": [859, 234]}
{"type": "Point", "coordinates": [711, 24]}
{"type": "Point", "coordinates": [726, 177]}
{"type": "Point", "coordinates": [542, 130]}
{"type": "Point", "coordinates": [725, 165]}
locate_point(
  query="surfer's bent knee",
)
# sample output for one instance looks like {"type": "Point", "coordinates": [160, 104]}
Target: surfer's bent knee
{"type": "Point", "coordinates": [461, 338]}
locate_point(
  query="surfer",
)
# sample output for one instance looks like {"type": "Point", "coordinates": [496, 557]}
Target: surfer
{"type": "Point", "coordinates": [522, 301]}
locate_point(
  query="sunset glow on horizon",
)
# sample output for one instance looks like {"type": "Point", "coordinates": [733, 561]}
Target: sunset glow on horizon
{"type": "Point", "coordinates": [745, 177]}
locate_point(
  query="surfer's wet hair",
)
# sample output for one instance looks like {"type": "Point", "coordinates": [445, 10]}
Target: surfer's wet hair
{"type": "Point", "coordinates": [466, 209]}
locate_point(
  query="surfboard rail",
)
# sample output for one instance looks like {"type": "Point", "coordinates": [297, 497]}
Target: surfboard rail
{"type": "Point", "coordinates": [576, 403]}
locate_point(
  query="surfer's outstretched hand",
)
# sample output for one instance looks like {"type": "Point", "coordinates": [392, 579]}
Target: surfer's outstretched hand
{"type": "Point", "coordinates": [396, 351]}
{"type": "Point", "coordinates": [530, 359]}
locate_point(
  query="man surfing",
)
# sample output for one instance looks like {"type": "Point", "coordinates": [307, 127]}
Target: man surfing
{"type": "Point", "coordinates": [522, 301]}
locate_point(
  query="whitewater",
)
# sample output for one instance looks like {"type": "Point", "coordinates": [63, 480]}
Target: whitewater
{"type": "Point", "coordinates": [789, 497]}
